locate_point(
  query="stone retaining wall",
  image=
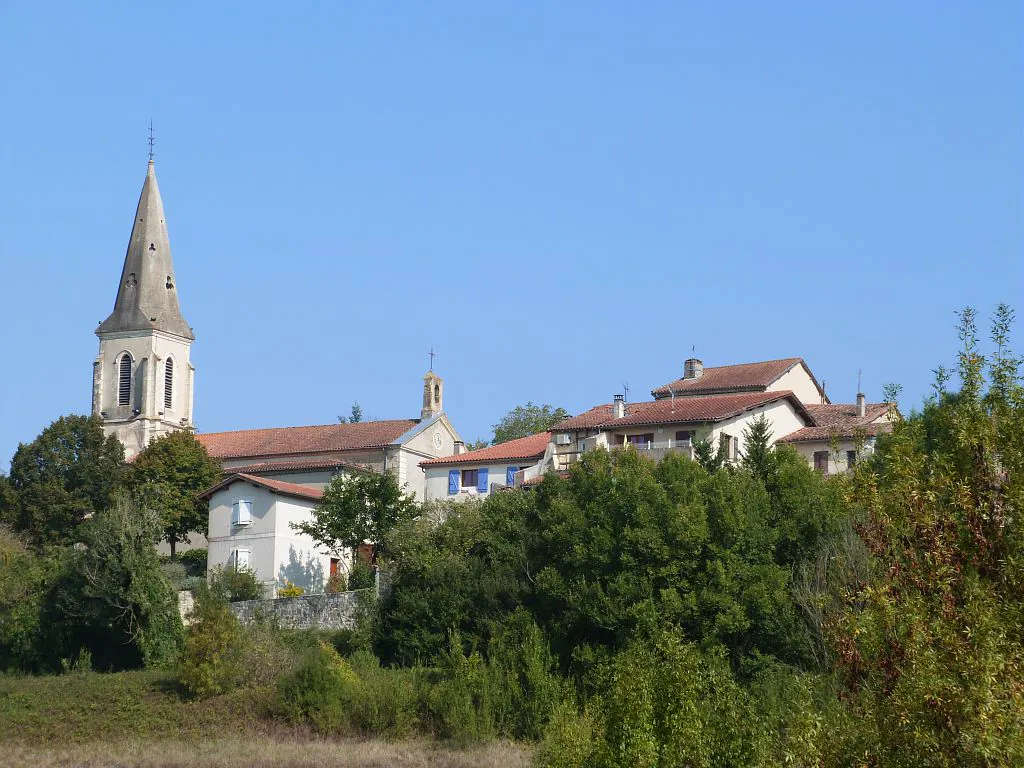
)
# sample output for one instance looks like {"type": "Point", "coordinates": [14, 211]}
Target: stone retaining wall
{"type": "Point", "coordinates": [338, 611]}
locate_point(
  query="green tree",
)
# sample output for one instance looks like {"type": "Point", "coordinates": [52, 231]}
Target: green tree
{"type": "Point", "coordinates": [111, 596]}
{"type": "Point", "coordinates": [24, 574]}
{"type": "Point", "coordinates": [757, 454]}
{"type": "Point", "coordinates": [168, 476]}
{"type": "Point", "coordinates": [63, 477]}
{"type": "Point", "coordinates": [357, 508]}
{"type": "Point", "coordinates": [930, 645]}
{"type": "Point", "coordinates": [526, 420]}
{"type": "Point", "coordinates": [357, 414]}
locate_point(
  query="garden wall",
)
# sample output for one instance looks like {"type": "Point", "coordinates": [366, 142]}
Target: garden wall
{"type": "Point", "coordinates": [338, 611]}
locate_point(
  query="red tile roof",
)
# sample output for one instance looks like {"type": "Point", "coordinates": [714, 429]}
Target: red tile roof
{"type": "Point", "coordinates": [682, 410]}
{"type": "Point", "coordinates": [732, 378]}
{"type": "Point", "coordinates": [283, 441]}
{"type": "Point", "coordinates": [299, 465]}
{"type": "Point", "coordinates": [277, 486]}
{"type": "Point", "coordinates": [840, 420]}
{"type": "Point", "coordinates": [531, 447]}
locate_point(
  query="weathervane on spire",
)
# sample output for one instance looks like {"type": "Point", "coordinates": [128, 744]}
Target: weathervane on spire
{"type": "Point", "coordinates": [151, 140]}
{"type": "Point", "coordinates": [432, 354]}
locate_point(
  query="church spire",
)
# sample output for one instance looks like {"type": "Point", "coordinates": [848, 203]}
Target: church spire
{"type": "Point", "coordinates": [147, 298]}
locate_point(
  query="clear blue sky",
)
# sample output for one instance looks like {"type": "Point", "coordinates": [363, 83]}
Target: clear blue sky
{"type": "Point", "coordinates": [559, 197]}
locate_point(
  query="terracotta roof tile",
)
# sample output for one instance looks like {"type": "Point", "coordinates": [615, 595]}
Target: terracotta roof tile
{"type": "Point", "coordinates": [277, 486]}
{"type": "Point", "coordinates": [679, 410]}
{"type": "Point", "coordinates": [731, 378]}
{"type": "Point", "coordinates": [311, 464]}
{"type": "Point", "coordinates": [840, 420]}
{"type": "Point", "coordinates": [283, 441]}
{"type": "Point", "coordinates": [531, 447]}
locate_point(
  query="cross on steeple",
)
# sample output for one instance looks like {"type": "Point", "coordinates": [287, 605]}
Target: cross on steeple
{"type": "Point", "coordinates": [432, 354]}
{"type": "Point", "coordinates": [151, 140]}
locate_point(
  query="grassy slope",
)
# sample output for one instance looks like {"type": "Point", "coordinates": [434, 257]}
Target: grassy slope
{"type": "Point", "coordinates": [138, 718]}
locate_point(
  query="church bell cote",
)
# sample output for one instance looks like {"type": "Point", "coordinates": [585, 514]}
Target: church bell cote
{"type": "Point", "coordinates": [433, 391]}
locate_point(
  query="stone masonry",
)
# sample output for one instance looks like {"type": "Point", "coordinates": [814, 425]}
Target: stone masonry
{"type": "Point", "coordinates": [338, 611]}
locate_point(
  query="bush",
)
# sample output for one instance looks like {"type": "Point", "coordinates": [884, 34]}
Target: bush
{"type": "Point", "coordinates": [290, 590]}
{"type": "Point", "coordinates": [211, 661]}
{"type": "Point", "coordinates": [194, 561]}
{"type": "Point", "coordinates": [318, 691]}
{"type": "Point", "coordinates": [458, 706]}
{"type": "Point", "coordinates": [568, 739]}
{"type": "Point", "coordinates": [175, 573]}
{"type": "Point", "coordinates": [335, 584]}
{"type": "Point", "coordinates": [235, 584]}
{"type": "Point", "coordinates": [360, 577]}
{"type": "Point", "coordinates": [385, 702]}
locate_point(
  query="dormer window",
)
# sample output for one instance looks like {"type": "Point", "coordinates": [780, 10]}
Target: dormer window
{"type": "Point", "coordinates": [168, 384]}
{"type": "Point", "coordinates": [124, 380]}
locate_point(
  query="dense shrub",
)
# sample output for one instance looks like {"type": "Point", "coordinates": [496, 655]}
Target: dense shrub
{"type": "Point", "coordinates": [318, 691]}
{"type": "Point", "coordinates": [361, 576]}
{"type": "Point", "coordinates": [23, 581]}
{"type": "Point", "coordinates": [194, 561]}
{"type": "Point", "coordinates": [235, 584]}
{"type": "Point", "coordinates": [335, 584]}
{"type": "Point", "coordinates": [212, 658]}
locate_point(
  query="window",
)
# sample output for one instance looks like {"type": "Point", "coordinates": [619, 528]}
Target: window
{"type": "Point", "coordinates": [335, 562]}
{"type": "Point", "coordinates": [168, 384]}
{"type": "Point", "coordinates": [241, 512]}
{"type": "Point", "coordinates": [124, 380]}
{"type": "Point", "coordinates": [510, 476]}
{"type": "Point", "coordinates": [453, 482]}
{"type": "Point", "coordinates": [851, 459]}
{"type": "Point", "coordinates": [821, 461]}
{"type": "Point", "coordinates": [684, 437]}
{"type": "Point", "coordinates": [470, 477]}
{"type": "Point", "coordinates": [729, 446]}
{"type": "Point", "coordinates": [641, 441]}
{"type": "Point", "coordinates": [241, 558]}
{"type": "Point", "coordinates": [437, 394]}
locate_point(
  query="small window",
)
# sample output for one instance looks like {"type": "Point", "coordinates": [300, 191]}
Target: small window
{"type": "Point", "coordinates": [729, 445]}
{"type": "Point", "coordinates": [684, 437]}
{"type": "Point", "coordinates": [470, 477]}
{"type": "Point", "coordinates": [124, 381]}
{"type": "Point", "coordinates": [241, 512]}
{"type": "Point", "coordinates": [241, 558]}
{"type": "Point", "coordinates": [168, 384]}
{"type": "Point", "coordinates": [851, 459]}
{"type": "Point", "coordinates": [437, 394]}
{"type": "Point", "coordinates": [821, 461]}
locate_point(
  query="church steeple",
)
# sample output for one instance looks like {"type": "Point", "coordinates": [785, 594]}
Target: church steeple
{"type": "Point", "coordinates": [147, 297]}
{"type": "Point", "coordinates": [143, 379]}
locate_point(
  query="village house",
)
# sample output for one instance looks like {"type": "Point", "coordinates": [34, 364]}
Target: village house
{"type": "Point", "coordinates": [477, 473]}
{"type": "Point", "coordinates": [841, 433]}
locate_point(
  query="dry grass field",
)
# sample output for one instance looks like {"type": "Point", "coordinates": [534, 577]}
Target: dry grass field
{"type": "Point", "coordinates": [266, 751]}
{"type": "Point", "coordinates": [138, 719]}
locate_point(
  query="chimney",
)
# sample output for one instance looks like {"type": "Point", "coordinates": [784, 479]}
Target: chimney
{"type": "Point", "coordinates": [693, 369]}
{"type": "Point", "coordinates": [460, 447]}
{"type": "Point", "coordinates": [619, 406]}
{"type": "Point", "coordinates": [862, 408]}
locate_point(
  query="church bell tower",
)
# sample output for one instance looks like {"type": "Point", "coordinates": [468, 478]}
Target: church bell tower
{"type": "Point", "coordinates": [143, 378]}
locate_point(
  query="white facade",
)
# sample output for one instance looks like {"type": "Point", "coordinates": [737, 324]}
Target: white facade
{"type": "Point", "coordinates": [265, 541]}
{"type": "Point", "coordinates": [468, 482]}
{"type": "Point", "coordinates": [799, 381]}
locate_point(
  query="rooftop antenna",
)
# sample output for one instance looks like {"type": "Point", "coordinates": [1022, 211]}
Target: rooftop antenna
{"type": "Point", "coordinates": [625, 391]}
{"type": "Point", "coordinates": [151, 140]}
{"type": "Point", "coordinates": [432, 355]}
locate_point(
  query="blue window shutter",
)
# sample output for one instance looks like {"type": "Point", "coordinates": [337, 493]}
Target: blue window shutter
{"type": "Point", "coordinates": [510, 476]}
{"type": "Point", "coordinates": [481, 480]}
{"type": "Point", "coordinates": [453, 482]}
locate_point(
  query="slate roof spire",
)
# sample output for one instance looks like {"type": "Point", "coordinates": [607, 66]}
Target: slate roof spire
{"type": "Point", "coordinates": [147, 298]}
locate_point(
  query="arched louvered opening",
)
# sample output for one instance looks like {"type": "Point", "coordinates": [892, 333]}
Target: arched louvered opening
{"type": "Point", "coordinates": [168, 384]}
{"type": "Point", "coordinates": [124, 380]}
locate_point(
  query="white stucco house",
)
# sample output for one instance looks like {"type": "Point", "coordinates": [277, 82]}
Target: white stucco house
{"type": "Point", "coordinates": [250, 527]}
{"type": "Point", "coordinates": [478, 473]}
